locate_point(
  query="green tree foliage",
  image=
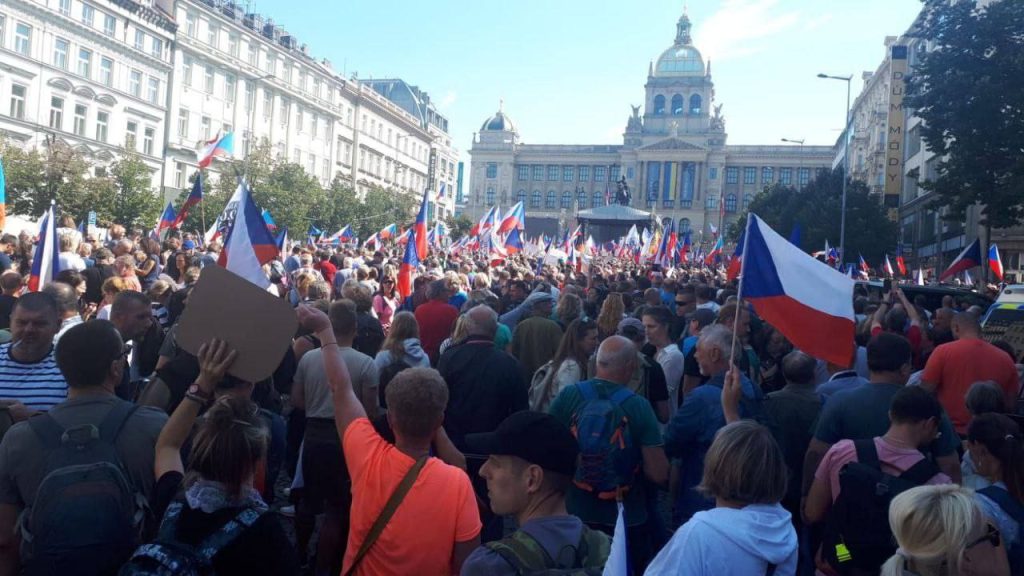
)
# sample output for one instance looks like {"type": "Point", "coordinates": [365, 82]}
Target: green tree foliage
{"type": "Point", "coordinates": [968, 90]}
{"type": "Point", "coordinates": [816, 208]}
{"type": "Point", "coordinates": [36, 177]}
{"type": "Point", "coordinates": [459, 226]}
{"type": "Point", "coordinates": [133, 202]}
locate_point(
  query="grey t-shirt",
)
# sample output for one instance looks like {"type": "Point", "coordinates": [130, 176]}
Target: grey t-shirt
{"type": "Point", "coordinates": [559, 535]}
{"type": "Point", "coordinates": [313, 379]}
{"type": "Point", "coordinates": [22, 457]}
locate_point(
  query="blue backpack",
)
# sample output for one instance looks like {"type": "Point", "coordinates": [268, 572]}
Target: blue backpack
{"type": "Point", "coordinates": [1014, 509]}
{"type": "Point", "coordinates": [609, 460]}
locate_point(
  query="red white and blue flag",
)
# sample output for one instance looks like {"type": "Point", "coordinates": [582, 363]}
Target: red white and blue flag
{"type": "Point", "coordinates": [513, 242]}
{"type": "Point", "coordinates": [995, 262]}
{"type": "Point", "coordinates": [387, 232]}
{"type": "Point", "coordinates": [969, 258]}
{"type": "Point", "coordinates": [269, 220]}
{"type": "Point", "coordinates": [167, 219]}
{"type": "Point", "coordinates": [515, 219]}
{"type": "Point", "coordinates": [887, 267]}
{"type": "Point", "coordinates": [194, 197]}
{"type": "Point", "coordinates": [715, 252]}
{"type": "Point", "coordinates": [419, 228]}
{"type": "Point", "coordinates": [901, 265]}
{"type": "Point", "coordinates": [480, 226]}
{"type": "Point", "coordinates": [863, 263]}
{"type": "Point", "coordinates": [219, 146]}
{"type": "Point", "coordinates": [249, 245]}
{"type": "Point", "coordinates": [410, 262]}
{"type": "Point", "coordinates": [736, 263]}
{"type": "Point", "coordinates": [45, 260]}
{"type": "Point", "coordinates": [811, 304]}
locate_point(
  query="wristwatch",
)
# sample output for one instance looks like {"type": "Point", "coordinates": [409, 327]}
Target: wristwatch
{"type": "Point", "coordinates": [196, 394]}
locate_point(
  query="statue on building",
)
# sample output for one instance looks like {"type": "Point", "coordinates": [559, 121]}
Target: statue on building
{"type": "Point", "coordinates": [622, 195]}
{"type": "Point", "coordinates": [718, 121]}
{"type": "Point", "coordinates": [634, 124]}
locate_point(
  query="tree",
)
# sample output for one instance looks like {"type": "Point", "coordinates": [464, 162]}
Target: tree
{"type": "Point", "coordinates": [459, 226]}
{"type": "Point", "coordinates": [134, 202]}
{"type": "Point", "coordinates": [968, 92]}
{"type": "Point", "coordinates": [817, 207]}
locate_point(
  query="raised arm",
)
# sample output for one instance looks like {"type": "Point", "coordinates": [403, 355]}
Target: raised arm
{"type": "Point", "coordinates": [347, 407]}
{"type": "Point", "coordinates": [912, 313]}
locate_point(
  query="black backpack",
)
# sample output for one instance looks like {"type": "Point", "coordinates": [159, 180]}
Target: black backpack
{"type": "Point", "coordinates": [87, 517]}
{"type": "Point", "coordinates": [1014, 509]}
{"type": "Point", "coordinates": [857, 534]}
{"type": "Point", "coordinates": [168, 556]}
{"type": "Point", "coordinates": [528, 557]}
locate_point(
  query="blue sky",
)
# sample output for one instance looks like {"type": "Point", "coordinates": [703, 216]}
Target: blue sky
{"type": "Point", "coordinates": [569, 69]}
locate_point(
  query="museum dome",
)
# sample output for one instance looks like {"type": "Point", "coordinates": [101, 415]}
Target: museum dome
{"type": "Point", "coordinates": [498, 123]}
{"type": "Point", "coordinates": [681, 59]}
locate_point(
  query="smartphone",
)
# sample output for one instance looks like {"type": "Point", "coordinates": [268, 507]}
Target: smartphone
{"type": "Point", "coordinates": [887, 285]}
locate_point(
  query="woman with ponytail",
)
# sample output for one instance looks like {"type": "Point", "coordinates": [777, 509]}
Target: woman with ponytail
{"type": "Point", "coordinates": [996, 447]}
{"type": "Point", "coordinates": [212, 512]}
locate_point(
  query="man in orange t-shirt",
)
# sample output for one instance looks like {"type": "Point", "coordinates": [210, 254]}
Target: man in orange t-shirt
{"type": "Point", "coordinates": [953, 367]}
{"type": "Point", "coordinates": [437, 525]}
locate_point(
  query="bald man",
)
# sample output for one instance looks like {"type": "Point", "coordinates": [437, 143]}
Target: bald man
{"type": "Point", "coordinates": [616, 361]}
{"type": "Point", "coordinates": [953, 367]}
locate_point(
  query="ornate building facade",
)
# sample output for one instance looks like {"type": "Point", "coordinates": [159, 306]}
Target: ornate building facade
{"type": "Point", "coordinates": [674, 159]}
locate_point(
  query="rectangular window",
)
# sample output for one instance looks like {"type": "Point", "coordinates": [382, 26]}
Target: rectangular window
{"type": "Point", "coordinates": [297, 156]}
{"type": "Point", "coordinates": [767, 174]}
{"type": "Point", "coordinates": [522, 172]}
{"type": "Point", "coordinates": [64, 7]}
{"type": "Point", "coordinates": [56, 113]}
{"type": "Point", "coordinates": [268, 104]}
{"type": "Point", "coordinates": [732, 175]}
{"type": "Point", "coordinates": [212, 32]}
{"type": "Point", "coordinates": [84, 62]}
{"type": "Point", "coordinates": [179, 175]}
{"type": "Point", "coordinates": [805, 176]}
{"type": "Point", "coordinates": [140, 39]}
{"type": "Point", "coordinates": [250, 96]}
{"type": "Point", "coordinates": [713, 174]}
{"type": "Point", "coordinates": [326, 169]}
{"type": "Point", "coordinates": [157, 47]}
{"type": "Point", "coordinates": [131, 134]}
{"type": "Point", "coordinates": [208, 80]}
{"type": "Point", "coordinates": [186, 70]}
{"type": "Point", "coordinates": [182, 123]}
{"type": "Point", "coordinates": [61, 47]}
{"type": "Point", "coordinates": [315, 126]}
{"type": "Point", "coordinates": [492, 170]}
{"type": "Point", "coordinates": [23, 39]}
{"type": "Point", "coordinates": [190, 25]}
{"type": "Point", "coordinates": [153, 94]}
{"type": "Point", "coordinates": [254, 56]}
{"type": "Point", "coordinates": [749, 175]}
{"type": "Point", "coordinates": [568, 174]}
{"type": "Point", "coordinates": [102, 121]}
{"type": "Point", "coordinates": [205, 127]}
{"type": "Point", "coordinates": [584, 173]}
{"type": "Point", "coordinates": [106, 71]}
{"type": "Point", "coordinates": [299, 120]}
{"type": "Point", "coordinates": [553, 173]}
{"type": "Point", "coordinates": [3, 29]}
{"type": "Point", "coordinates": [80, 112]}
{"type": "Point", "coordinates": [135, 83]}
{"type": "Point", "coordinates": [109, 25]}
{"type": "Point", "coordinates": [599, 173]}
{"type": "Point", "coordinates": [233, 45]}
{"type": "Point", "coordinates": [629, 173]}
{"type": "Point", "coordinates": [88, 15]}
{"type": "Point", "coordinates": [147, 141]}
{"type": "Point", "coordinates": [538, 172]}
{"type": "Point", "coordinates": [786, 176]}
{"type": "Point", "coordinates": [614, 172]}
{"type": "Point", "coordinates": [229, 89]}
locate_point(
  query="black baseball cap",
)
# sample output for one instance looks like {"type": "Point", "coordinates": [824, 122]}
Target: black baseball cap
{"type": "Point", "coordinates": [536, 437]}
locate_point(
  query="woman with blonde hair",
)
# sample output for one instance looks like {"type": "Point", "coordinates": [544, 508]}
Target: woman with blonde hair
{"type": "Point", "coordinates": [941, 531]}
{"type": "Point", "coordinates": [612, 312]}
{"type": "Point", "coordinates": [569, 308]}
{"type": "Point", "coordinates": [402, 344]}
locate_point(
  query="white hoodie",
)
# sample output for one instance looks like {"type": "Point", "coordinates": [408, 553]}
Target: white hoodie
{"type": "Point", "coordinates": [726, 541]}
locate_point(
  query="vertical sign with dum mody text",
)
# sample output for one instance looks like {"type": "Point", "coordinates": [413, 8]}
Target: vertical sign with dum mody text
{"type": "Point", "coordinates": [894, 149]}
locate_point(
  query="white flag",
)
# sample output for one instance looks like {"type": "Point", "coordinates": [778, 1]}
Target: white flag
{"type": "Point", "coordinates": [618, 558]}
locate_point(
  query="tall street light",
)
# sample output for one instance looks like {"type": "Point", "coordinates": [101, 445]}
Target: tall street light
{"type": "Point", "coordinates": [800, 162]}
{"type": "Point", "coordinates": [846, 160]}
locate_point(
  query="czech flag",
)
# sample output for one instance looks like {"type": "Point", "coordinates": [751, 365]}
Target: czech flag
{"type": "Point", "coordinates": [480, 226]}
{"type": "Point", "coordinates": [269, 220]}
{"type": "Point", "coordinates": [514, 219]}
{"type": "Point", "coordinates": [736, 264]}
{"type": "Point", "coordinates": [219, 146]}
{"type": "Point", "coordinates": [194, 197]}
{"type": "Point", "coordinates": [282, 243]}
{"type": "Point", "coordinates": [3, 196]}
{"type": "Point", "coordinates": [901, 265]}
{"type": "Point", "coordinates": [419, 228]}
{"type": "Point", "coordinates": [441, 191]}
{"type": "Point", "coordinates": [513, 243]}
{"type": "Point", "coordinates": [716, 251]}
{"type": "Point", "coordinates": [410, 262]}
{"type": "Point", "coordinates": [344, 235]}
{"type": "Point", "coordinates": [811, 304]}
{"type": "Point", "coordinates": [249, 245]}
{"type": "Point", "coordinates": [969, 258]}
{"type": "Point", "coordinates": [387, 232]}
{"type": "Point", "coordinates": [995, 262]}
{"type": "Point", "coordinates": [888, 266]}
{"type": "Point", "coordinates": [46, 259]}
{"type": "Point", "coordinates": [167, 220]}
{"type": "Point", "coordinates": [684, 251]}
{"type": "Point", "coordinates": [863, 264]}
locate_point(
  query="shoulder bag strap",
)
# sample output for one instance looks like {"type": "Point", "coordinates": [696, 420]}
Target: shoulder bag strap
{"type": "Point", "coordinates": [1004, 500]}
{"type": "Point", "coordinates": [587, 390]}
{"type": "Point", "coordinates": [115, 420]}
{"type": "Point", "coordinates": [47, 429]}
{"type": "Point", "coordinates": [867, 453]}
{"type": "Point", "coordinates": [921, 472]}
{"type": "Point", "coordinates": [386, 513]}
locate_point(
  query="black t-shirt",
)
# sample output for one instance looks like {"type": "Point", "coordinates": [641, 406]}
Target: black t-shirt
{"type": "Point", "coordinates": [94, 278]}
{"type": "Point", "coordinates": [5, 262]}
{"type": "Point", "coordinates": [262, 548]}
{"type": "Point", "coordinates": [6, 306]}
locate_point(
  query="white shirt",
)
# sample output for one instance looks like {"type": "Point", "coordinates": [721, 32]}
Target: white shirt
{"type": "Point", "coordinates": [672, 360]}
{"type": "Point", "coordinates": [71, 261]}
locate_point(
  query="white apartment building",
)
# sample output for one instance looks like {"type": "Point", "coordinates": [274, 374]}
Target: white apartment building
{"type": "Point", "coordinates": [90, 74]}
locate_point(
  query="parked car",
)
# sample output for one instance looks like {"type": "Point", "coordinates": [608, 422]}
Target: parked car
{"type": "Point", "coordinates": [932, 294]}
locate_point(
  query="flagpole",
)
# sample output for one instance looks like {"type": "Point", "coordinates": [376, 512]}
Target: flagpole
{"type": "Point", "coordinates": [739, 291]}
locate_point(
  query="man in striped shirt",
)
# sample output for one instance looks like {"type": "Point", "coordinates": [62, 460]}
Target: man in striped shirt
{"type": "Point", "coordinates": [30, 381]}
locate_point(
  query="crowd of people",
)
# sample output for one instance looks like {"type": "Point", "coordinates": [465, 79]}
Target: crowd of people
{"type": "Point", "coordinates": [500, 419]}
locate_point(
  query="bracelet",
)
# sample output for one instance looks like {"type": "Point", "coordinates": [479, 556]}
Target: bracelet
{"type": "Point", "coordinates": [197, 399]}
{"type": "Point", "coordinates": [322, 344]}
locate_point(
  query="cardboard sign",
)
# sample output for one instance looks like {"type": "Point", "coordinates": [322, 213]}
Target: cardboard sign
{"type": "Point", "coordinates": [251, 320]}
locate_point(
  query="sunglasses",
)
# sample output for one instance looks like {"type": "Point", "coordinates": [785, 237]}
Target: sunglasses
{"type": "Point", "coordinates": [683, 302]}
{"type": "Point", "coordinates": [991, 536]}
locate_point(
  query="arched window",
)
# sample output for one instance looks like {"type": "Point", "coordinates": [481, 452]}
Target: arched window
{"type": "Point", "coordinates": [747, 199]}
{"type": "Point", "coordinates": [598, 198]}
{"type": "Point", "coordinates": [581, 198]}
{"type": "Point", "coordinates": [695, 104]}
{"type": "Point", "coordinates": [566, 199]}
{"type": "Point", "coordinates": [490, 196]}
{"type": "Point", "coordinates": [677, 105]}
{"type": "Point", "coordinates": [535, 199]}
{"type": "Point", "coordinates": [684, 225]}
{"type": "Point", "coordinates": [659, 105]}
{"type": "Point", "coordinates": [521, 196]}
{"type": "Point", "coordinates": [550, 201]}
{"type": "Point", "coordinates": [730, 203]}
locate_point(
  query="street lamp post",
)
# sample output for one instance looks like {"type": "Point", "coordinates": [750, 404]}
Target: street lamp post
{"type": "Point", "coordinates": [800, 162]}
{"type": "Point", "coordinates": [846, 161]}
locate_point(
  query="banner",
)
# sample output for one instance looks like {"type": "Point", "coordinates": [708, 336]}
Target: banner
{"type": "Point", "coordinates": [894, 133]}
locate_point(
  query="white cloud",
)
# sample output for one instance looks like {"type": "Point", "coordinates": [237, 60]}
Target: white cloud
{"type": "Point", "coordinates": [817, 22]}
{"type": "Point", "coordinates": [738, 28]}
{"type": "Point", "coordinates": [447, 100]}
